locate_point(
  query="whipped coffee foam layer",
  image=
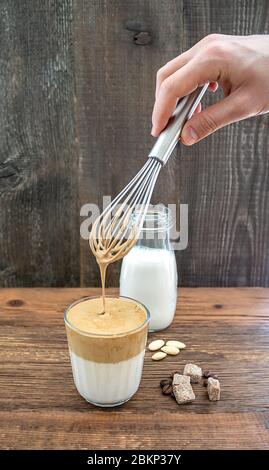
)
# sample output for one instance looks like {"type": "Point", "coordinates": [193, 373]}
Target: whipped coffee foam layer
{"type": "Point", "coordinates": [117, 335]}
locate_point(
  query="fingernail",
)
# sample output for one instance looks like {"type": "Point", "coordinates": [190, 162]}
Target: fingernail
{"type": "Point", "coordinates": [153, 132]}
{"type": "Point", "coordinates": [189, 135]}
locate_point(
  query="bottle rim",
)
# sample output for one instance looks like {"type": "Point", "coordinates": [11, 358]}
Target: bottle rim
{"type": "Point", "coordinates": [158, 218]}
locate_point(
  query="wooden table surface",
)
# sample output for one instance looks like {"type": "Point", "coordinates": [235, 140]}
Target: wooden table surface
{"type": "Point", "coordinates": [226, 331]}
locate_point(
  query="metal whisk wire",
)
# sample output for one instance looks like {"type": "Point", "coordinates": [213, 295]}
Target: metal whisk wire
{"type": "Point", "coordinates": [113, 235]}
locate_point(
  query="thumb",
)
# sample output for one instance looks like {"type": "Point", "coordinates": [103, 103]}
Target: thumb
{"type": "Point", "coordinates": [226, 111]}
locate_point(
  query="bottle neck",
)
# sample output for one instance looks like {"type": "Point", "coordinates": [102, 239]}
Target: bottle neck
{"type": "Point", "coordinates": [154, 239]}
{"type": "Point", "coordinates": [156, 228]}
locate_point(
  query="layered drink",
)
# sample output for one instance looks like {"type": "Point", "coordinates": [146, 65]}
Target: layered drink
{"type": "Point", "coordinates": [107, 348]}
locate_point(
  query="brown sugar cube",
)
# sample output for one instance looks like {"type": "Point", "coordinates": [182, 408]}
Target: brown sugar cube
{"type": "Point", "coordinates": [178, 378]}
{"type": "Point", "coordinates": [182, 389]}
{"type": "Point", "coordinates": [213, 389]}
{"type": "Point", "coordinates": [194, 372]}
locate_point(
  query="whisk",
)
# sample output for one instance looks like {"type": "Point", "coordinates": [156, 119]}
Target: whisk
{"type": "Point", "coordinates": [112, 235]}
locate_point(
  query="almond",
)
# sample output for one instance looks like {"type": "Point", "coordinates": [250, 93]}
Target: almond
{"type": "Point", "coordinates": [176, 344]}
{"type": "Point", "coordinates": [171, 350]}
{"type": "Point", "coordinates": [155, 345]}
{"type": "Point", "coordinates": [158, 356]}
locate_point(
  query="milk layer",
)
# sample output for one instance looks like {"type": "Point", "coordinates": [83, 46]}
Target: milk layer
{"type": "Point", "coordinates": [107, 384]}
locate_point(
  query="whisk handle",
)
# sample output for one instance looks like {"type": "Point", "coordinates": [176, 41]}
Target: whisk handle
{"type": "Point", "coordinates": [169, 137]}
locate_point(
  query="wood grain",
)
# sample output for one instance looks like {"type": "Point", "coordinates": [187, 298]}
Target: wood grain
{"type": "Point", "coordinates": [226, 331]}
{"type": "Point", "coordinates": [39, 220]}
{"type": "Point", "coordinates": [224, 179]}
{"type": "Point", "coordinates": [77, 87]}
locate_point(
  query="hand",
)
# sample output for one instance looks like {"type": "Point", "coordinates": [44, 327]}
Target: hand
{"type": "Point", "coordinates": [239, 64]}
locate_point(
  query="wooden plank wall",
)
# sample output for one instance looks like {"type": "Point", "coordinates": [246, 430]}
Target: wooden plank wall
{"type": "Point", "coordinates": [76, 93]}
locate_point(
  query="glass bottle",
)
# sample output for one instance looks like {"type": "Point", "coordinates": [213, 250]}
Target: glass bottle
{"type": "Point", "coordinates": [149, 271]}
